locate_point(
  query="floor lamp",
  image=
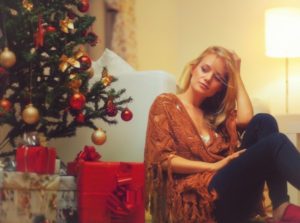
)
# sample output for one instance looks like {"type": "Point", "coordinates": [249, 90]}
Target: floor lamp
{"type": "Point", "coordinates": [282, 32]}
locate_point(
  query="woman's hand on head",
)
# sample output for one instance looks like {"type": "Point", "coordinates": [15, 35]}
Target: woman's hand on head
{"type": "Point", "coordinates": [220, 164]}
{"type": "Point", "coordinates": [236, 60]}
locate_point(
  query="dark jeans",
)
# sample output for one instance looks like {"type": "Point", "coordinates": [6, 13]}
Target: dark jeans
{"type": "Point", "coordinates": [270, 157]}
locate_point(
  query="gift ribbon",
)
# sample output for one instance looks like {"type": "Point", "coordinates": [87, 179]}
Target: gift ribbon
{"type": "Point", "coordinates": [25, 158]}
{"type": "Point", "coordinates": [126, 197]}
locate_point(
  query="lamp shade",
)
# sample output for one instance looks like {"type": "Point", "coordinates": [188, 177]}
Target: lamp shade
{"type": "Point", "coordinates": [282, 32]}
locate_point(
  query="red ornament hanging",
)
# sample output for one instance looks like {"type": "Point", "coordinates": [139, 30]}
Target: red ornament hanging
{"type": "Point", "coordinates": [3, 71]}
{"type": "Point", "coordinates": [91, 38]}
{"type": "Point", "coordinates": [126, 114]}
{"type": "Point", "coordinates": [111, 108]}
{"type": "Point", "coordinates": [71, 15]}
{"type": "Point", "coordinates": [80, 118]}
{"type": "Point", "coordinates": [5, 106]}
{"type": "Point", "coordinates": [83, 6]}
{"type": "Point", "coordinates": [50, 29]}
{"type": "Point", "coordinates": [77, 101]}
{"type": "Point", "coordinates": [85, 62]}
{"type": "Point", "coordinates": [40, 33]}
{"type": "Point", "coordinates": [84, 32]}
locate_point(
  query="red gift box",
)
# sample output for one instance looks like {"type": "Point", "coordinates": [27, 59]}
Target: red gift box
{"type": "Point", "coordinates": [37, 159]}
{"type": "Point", "coordinates": [72, 168]}
{"type": "Point", "coordinates": [111, 192]}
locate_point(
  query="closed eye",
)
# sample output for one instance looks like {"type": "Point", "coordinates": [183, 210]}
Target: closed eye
{"type": "Point", "coordinates": [220, 79]}
{"type": "Point", "coordinates": [204, 69]}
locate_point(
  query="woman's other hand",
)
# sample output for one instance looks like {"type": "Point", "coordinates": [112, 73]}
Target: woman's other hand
{"type": "Point", "coordinates": [220, 164]}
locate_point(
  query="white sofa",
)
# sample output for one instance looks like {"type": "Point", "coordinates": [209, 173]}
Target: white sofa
{"type": "Point", "coordinates": [125, 141]}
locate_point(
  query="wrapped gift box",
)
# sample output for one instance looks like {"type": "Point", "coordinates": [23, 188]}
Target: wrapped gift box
{"type": "Point", "coordinates": [31, 198]}
{"type": "Point", "coordinates": [37, 159]}
{"type": "Point", "coordinates": [72, 168]}
{"type": "Point", "coordinates": [67, 200]}
{"type": "Point", "coordinates": [111, 192]}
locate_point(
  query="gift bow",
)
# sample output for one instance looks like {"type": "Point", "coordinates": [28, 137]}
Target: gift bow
{"type": "Point", "coordinates": [66, 25]}
{"type": "Point", "coordinates": [66, 62]}
{"type": "Point", "coordinates": [122, 202]}
{"type": "Point", "coordinates": [89, 153]}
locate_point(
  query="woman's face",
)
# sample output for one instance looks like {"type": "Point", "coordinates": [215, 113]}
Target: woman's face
{"type": "Point", "coordinates": [208, 76]}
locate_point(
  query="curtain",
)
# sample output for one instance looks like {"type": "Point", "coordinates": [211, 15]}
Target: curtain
{"type": "Point", "coordinates": [123, 40]}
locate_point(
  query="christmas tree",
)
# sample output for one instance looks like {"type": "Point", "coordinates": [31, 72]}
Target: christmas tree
{"type": "Point", "coordinates": [45, 71]}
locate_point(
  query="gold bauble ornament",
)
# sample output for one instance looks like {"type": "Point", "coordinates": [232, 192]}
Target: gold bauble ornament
{"type": "Point", "coordinates": [90, 72]}
{"type": "Point", "coordinates": [74, 82]}
{"type": "Point", "coordinates": [7, 58]}
{"type": "Point", "coordinates": [98, 137]}
{"type": "Point", "coordinates": [30, 114]}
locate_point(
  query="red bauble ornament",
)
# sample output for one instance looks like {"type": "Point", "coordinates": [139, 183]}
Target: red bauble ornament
{"type": "Point", "coordinates": [39, 35]}
{"type": "Point", "coordinates": [50, 29]}
{"type": "Point", "coordinates": [77, 101]}
{"type": "Point", "coordinates": [111, 108]}
{"type": "Point", "coordinates": [126, 114]}
{"type": "Point", "coordinates": [71, 15]}
{"type": "Point", "coordinates": [3, 71]}
{"type": "Point", "coordinates": [92, 38]}
{"type": "Point", "coordinates": [80, 118]}
{"type": "Point", "coordinates": [83, 6]}
{"type": "Point", "coordinates": [5, 105]}
{"type": "Point", "coordinates": [85, 62]}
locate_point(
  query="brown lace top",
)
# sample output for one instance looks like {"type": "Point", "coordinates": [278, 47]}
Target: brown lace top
{"type": "Point", "coordinates": [178, 198]}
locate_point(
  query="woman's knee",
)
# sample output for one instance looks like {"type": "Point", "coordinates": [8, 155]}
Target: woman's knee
{"type": "Point", "coordinates": [277, 139]}
{"type": "Point", "coordinates": [265, 119]}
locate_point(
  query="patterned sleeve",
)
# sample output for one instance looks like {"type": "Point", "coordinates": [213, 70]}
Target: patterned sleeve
{"type": "Point", "coordinates": [159, 147]}
{"type": "Point", "coordinates": [159, 141]}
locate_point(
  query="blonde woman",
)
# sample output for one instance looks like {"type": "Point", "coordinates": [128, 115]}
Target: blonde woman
{"type": "Point", "coordinates": [198, 170]}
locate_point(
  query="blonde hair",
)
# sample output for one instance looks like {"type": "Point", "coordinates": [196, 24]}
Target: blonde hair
{"type": "Point", "coordinates": [219, 106]}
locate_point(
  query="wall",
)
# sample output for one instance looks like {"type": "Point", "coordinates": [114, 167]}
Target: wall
{"type": "Point", "coordinates": [97, 9]}
{"type": "Point", "coordinates": [172, 32]}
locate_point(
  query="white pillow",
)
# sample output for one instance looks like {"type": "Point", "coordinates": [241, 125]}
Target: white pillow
{"type": "Point", "coordinates": [114, 64]}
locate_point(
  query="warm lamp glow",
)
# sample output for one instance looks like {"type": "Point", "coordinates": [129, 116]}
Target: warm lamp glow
{"type": "Point", "coordinates": [282, 32]}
